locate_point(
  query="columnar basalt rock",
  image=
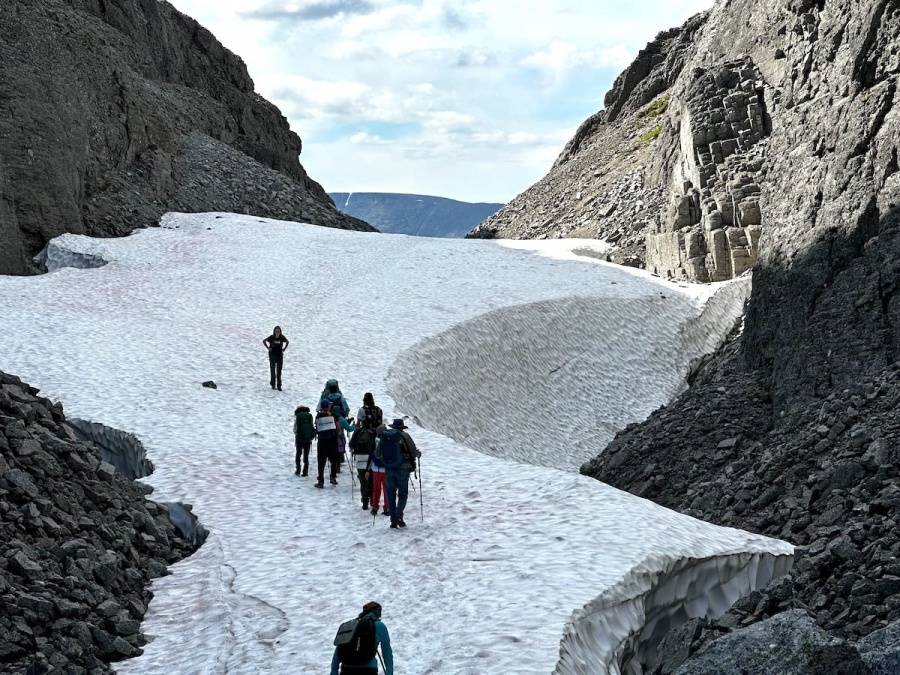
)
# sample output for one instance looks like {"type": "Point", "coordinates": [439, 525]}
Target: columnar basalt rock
{"type": "Point", "coordinates": [711, 229]}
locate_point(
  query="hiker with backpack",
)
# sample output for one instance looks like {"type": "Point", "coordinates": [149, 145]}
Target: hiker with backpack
{"type": "Point", "coordinates": [398, 453]}
{"type": "Point", "coordinates": [327, 425]}
{"type": "Point", "coordinates": [362, 444]}
{"type": "Point", "coordinates": [304, 433]}
{"type": "Point", "coordinates": [356, 645]}
{"type": "Point", "coordinates": [277, 345]}
{"type": "Point", "coordinates": [332, 393]}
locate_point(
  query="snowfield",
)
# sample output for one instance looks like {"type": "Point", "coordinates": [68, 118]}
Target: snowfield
{"type": "Point", "coordinates": [514, 543]}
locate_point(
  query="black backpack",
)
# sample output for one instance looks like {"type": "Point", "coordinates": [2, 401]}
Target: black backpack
{"type": "Point", "coordinates": [365, 442]}
{"type": "Point", "coordinates": [356, 642]}
{"type": "Point", "coordinates": [374, 417]}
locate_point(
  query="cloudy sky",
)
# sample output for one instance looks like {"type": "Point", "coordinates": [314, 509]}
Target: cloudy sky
{"type": "Point", "coordinates": [468, 99]}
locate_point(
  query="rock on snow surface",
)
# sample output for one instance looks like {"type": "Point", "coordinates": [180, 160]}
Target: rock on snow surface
{"type": "Point", "coordinates": [507, 550]}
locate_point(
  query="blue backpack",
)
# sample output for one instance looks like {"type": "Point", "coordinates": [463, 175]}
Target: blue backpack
{"type": "Point", "coordinates": [391, 452]}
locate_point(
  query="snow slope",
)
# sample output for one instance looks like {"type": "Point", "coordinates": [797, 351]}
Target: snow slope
{"type": "Point", "coordinates": [507, 551]}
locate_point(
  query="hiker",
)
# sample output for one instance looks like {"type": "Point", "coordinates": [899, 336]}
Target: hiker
{"type": "Point", "coordinates": [327, 425]}
{"type": "Point", "coordinates": [398, 453]}
{"type": "Point", "coordinates": [277, 345]}
{"type": "Point", "coordinates": [357, 643]}
{"type": "Point", "coordinates": [304, 433]}
{"type": "Point", "coordinates": [332, 392]}
{"type": "Point", "coordinates": [362, 444]}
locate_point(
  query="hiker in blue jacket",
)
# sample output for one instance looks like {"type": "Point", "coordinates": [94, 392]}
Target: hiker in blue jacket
{"type": "Point", "coordinates": [332, 392]}
{"type": "Point", "coordinates": [371, 612]}
{"type": "Point", "coordinates": [398, 453]}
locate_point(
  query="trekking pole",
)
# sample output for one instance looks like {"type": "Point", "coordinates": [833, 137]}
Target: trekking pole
{"type": "Point", "coordinates": [383, 667]}
{"type": "Point", "coordinates": [421, 501]}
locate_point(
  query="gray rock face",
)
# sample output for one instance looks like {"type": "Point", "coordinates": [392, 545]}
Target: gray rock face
{"type": "Point", "coordinates": [788, 644]}
{"type": "Point", "coordinates": [117, 111]}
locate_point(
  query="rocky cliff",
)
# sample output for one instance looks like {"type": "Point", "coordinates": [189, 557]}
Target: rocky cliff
{"type": "Point", "coordinates": [792, 429]}
{"type": "Point", "coordinates": [113, 112]}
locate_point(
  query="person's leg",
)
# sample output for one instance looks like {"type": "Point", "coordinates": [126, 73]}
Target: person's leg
{"type": "Point", "coordinates": [306, 445]}
{"type": "Point", "coordinates": [278, 363]}
{"type": "Point", "coordinates": [334, 458]}
{"type": "Point", "coordinates": [271, 371]}
{"type": "Point", "coordinates": [391, 484]}
{"type": "Point", "coordinates": [322, 452]}
{"type": "Point", "coordinates": [378, 490]}
{"type": "Point", "coordinates": [403, 492]}
{"type": "Point", "coordinates": [298, 456]}
{"type": "Point", "coordinates": [364, 489]}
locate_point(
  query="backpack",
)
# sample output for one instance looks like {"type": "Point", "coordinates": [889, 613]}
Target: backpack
{"type": "Point", "coordinates": [356, 642]}
{"type": "Point", "coordinates": [374, 417]}
{"type": "Point", "coordinates": [391, 452]}
{"type": "Point", "coordinates": [303, 425]}
{"type": "Point", "coordinates": [365, 441]}
{"type": "Point", "coordinates": [326, 427]}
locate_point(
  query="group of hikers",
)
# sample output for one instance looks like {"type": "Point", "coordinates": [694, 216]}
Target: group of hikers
{"type": "Point", "coordinates": [383, 456]}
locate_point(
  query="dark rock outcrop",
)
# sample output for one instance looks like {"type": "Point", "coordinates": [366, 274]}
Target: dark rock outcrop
{"type": "Point", "coordinates": [113, 112]}
{"type": "Point", "coordinates": [789, 644]}
{"type": "Point", "coordinates": [419, 215]}
{"type": "Point", "coordinates": [792, 429]}
{"type": "Point", "coordinates": [79, 544]}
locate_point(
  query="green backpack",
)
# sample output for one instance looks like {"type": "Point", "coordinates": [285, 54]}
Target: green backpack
{"type": "Point", "coordinates": [304, 429]}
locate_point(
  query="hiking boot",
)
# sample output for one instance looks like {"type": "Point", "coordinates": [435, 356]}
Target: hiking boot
{"type": "Point", "coordinates": [375, 511]}
{"type": "Point", "coordinates": [394, 525]}
{"type": "Point", "coordinates": [320, 484]}
{"type": "Point", "coordinates": [385, 513]}
{"type": "Point", "coordinates": [297, 473]}
{"type": "Point", "coordinates": [278, 387]}
{"type": "Point", "coordinates": [365, 506]}
{"type": "Point", "coordinates": [333, 480]}
{"type": "Point", "coordinates": [401, 522]}
{"type": "Point", "coordinates": [304, 474]}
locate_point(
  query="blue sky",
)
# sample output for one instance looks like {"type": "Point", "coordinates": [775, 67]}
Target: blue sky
{"type": "Point", "coordinates": [468, 99]}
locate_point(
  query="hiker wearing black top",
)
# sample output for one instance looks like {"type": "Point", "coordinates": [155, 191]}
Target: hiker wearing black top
{"type": "Point", "coordinates": [277, 345]}
{"type": "Point", "coordinates": [398, 453]}
{"type": "Point", "coordinates": [362, 444]}
{"type": "Point", "coordinates": [327, 425]}
{"type": "Point", "coordinates": [304, 433]}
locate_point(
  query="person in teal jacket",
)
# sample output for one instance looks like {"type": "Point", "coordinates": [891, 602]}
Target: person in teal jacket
{"type": "Point", "coordinates": [382, 639]}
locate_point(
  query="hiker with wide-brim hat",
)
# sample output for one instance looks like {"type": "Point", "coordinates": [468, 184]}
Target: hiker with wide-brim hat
{"type": "Point", "coordinates": [398, 454]}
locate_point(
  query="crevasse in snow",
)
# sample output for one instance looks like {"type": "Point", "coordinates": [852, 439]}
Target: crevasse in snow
{"type": "Point", "coordinates": [483, 581]}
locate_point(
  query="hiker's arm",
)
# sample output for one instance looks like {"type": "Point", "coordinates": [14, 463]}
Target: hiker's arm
{"type": "Point", "coordinates": [335, 663]}
{"type": "Point", "coordinates": [411, 447]}
{"type": "Point", "coordinates": [381, 632]}
{"type": "Point", "coordinates": [286, 343]}
{"type": "Point", "coordinates": [266, 344]}
{"type": "Point", "coordinates": [346, 426]}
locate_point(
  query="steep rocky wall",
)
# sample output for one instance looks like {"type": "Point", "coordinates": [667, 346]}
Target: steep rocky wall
{"type": "Point", "coordinates": [792, 430]}
{"type": "Point", "coordinates": [97, 101]}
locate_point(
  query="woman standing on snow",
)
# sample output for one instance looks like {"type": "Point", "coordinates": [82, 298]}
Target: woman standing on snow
{"type": "Point", "coordinates": [277, 345]}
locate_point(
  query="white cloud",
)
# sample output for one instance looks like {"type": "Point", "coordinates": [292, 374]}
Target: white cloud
{"type": "Point", "coordinates": [472, 99]}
